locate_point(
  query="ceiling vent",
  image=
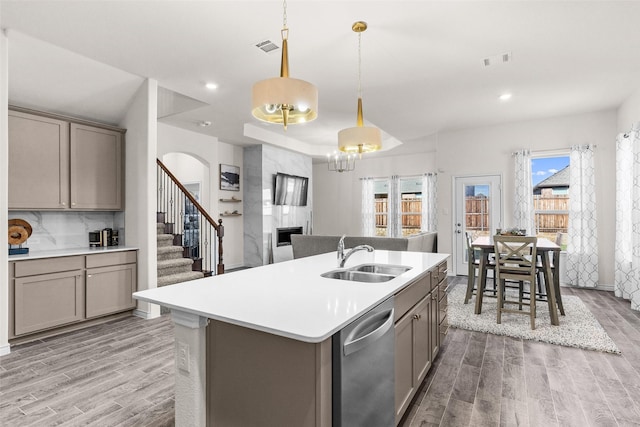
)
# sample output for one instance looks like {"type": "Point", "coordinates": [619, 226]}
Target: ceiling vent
{"type": "Point", "coordinates": [502, 58]}
{"type": "Point", "coordinates": [267, 46]}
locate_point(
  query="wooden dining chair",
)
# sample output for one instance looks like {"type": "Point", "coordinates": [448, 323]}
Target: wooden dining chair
{"type": "Point", "coordinates": [516, 262]}
{"type": "Point", "coordinates": [473, 262]}
{"type": "Point", "coordinates": [542, 294]}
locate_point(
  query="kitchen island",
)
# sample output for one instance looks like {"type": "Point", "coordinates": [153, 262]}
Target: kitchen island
{"type": "Point", "coordinates": [270, 328]}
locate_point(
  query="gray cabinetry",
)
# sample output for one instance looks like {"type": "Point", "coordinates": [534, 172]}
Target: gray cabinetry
{"type": "Point", "coordinates": [52, 294]}
{"type": "Point", "coordinates": [38, 162]}
{"type": "Point", "coordinates": [47, 294]}
{"type": "Point", "coordinates": [110, 286]}
{"type": "Point", "coordinates": [414, 340]}
{"type": "Point", "coordinates": [419, 323]}
{"type": "Point", "coordinates": [58, 164]}
{"type": "Point", "coordinates": [96, 168]}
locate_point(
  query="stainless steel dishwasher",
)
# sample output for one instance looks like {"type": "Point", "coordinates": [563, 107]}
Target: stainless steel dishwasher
{"type": "Point", "coordinates": [364, 370]}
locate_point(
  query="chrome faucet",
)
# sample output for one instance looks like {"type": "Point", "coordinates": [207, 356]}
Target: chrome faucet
{"type": "Point", "coordinates": [342, 257]}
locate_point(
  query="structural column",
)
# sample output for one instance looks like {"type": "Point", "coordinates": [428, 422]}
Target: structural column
{"type": "Point", "coordinates": [191, 381]}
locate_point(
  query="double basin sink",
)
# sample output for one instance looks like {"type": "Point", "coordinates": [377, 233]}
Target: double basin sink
{"type": "Point", "coordinates": [372, 273]}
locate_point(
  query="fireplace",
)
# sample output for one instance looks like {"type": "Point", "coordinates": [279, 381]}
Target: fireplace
{"type": "Point", "coordinates": [283, 235]}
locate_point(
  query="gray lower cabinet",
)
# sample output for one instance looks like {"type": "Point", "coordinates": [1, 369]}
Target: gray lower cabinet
{"type": "Point", "coordinates": [48, 300]}
{"type": "Point", "coordinates": [52, 293]}
{"type": "Point", "coordinates": [417, 337]}
{"type": "Point", "coordinates": [109, 289]}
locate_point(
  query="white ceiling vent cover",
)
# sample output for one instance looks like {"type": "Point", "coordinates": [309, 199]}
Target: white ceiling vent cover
{"type": "Point", "coordinates": [267, 46]}
{"type": "Point", "coordinates": [502, 58]}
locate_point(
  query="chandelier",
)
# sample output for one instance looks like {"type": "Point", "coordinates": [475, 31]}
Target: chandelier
{"type": "Point", "coordinates": [359, 139]}
{"type": "Point", "coordinates": [341, 162]}
{"type": "Point", "coordinates": [284, 100]}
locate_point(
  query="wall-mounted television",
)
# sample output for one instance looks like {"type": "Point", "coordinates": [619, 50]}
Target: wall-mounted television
{"type": "Point", "coordinates": [290, 189]}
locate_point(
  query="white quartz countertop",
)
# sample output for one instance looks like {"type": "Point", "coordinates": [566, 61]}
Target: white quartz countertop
{"type": "Point", "coordinates": [290, 298]}
{"type": "Point", "coordinates": [69, 252]}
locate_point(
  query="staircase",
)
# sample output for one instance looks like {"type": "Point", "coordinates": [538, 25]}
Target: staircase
{"type": "Point", "coordinates": [172, 266]}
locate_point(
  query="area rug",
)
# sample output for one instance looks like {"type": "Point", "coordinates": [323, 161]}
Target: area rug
{"type": "Point", "coordinates": [578, 328]}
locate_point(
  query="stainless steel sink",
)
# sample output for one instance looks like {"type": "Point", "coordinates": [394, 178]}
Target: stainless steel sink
{"type": "Point", "coordinates": [392, 270]}
{"type": "Point", "coordinates": [357, 276]}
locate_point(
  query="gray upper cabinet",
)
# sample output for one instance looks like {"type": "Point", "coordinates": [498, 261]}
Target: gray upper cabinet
{"type": "Point", "coordinates": [38, 162]}
{"type": "Point", "coordinates": [96, 168]}
{"type": "Point", "coordinates": [57, 164]}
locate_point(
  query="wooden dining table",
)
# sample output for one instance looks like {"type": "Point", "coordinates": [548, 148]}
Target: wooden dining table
{"type": "Point", "coordinates": [545, 249]}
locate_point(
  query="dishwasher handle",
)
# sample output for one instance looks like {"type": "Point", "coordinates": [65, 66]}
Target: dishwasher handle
{"type": "Point", "coordinates": [385, 319]}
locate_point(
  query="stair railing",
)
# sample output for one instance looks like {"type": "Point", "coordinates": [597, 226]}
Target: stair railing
{"type": "Point", "coordinates": [201, 234]}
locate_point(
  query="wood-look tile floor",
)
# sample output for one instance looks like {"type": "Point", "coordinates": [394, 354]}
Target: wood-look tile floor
{"type": "Point", "coordinates": [121, 374]}
{"type": "Point", "coordinates": [488, 380]}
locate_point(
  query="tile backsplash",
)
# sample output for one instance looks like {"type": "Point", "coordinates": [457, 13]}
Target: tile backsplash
{"type": "Point", "coordinates": [63, 230]}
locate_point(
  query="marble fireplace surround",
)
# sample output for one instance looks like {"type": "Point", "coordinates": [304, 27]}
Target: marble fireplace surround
{"type": "Point", "coordinates": [261, 216]}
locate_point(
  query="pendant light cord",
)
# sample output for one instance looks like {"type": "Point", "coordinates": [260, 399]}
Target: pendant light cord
{"type": "Point", "coordinates": [284, 14]}
{"type": "Point", "coordinates": [359, 65]}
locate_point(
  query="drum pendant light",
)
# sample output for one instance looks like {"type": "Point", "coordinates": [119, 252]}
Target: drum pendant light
{"type": "Point", "coordinates": [359, 139]}
{"type": "Point", "coordinates": [284, 100]}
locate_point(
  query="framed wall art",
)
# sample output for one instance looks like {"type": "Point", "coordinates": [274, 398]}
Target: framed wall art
{"type": "Point", "coordinates": [229, 177]}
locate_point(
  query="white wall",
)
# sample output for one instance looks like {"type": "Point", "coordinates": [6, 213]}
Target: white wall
{"type": "Point", "coordinates": [480, 151]}
{"type": "Point", "coordinates": [629, 112]}
{"type": "Point", "coordinates": [140, 181]}
{"type": "Point", "coordinates": [336, 195]}
{"type": "Point", "coordinates": [210, 152]}
{"type": "Point", "coordinates": [488, 150]}
{"type": "Point", "coordinates": [4, 190]}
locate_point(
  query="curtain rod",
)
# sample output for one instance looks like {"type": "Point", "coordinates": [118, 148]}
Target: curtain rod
{"type": "Point", "coordinates": [399, 176]}
{"type": "Point", "coordinates": [567, 149]}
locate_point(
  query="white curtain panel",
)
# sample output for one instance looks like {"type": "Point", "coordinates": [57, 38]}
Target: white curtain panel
{"type": "Point", "coordinates": [627, 249]}
{"type": "Point", "coordinates": [523, 215]}
{"type": "Point", "coordinates": [582, 247]}
{"type": "Point", "coordinates": [429, 218]}
{"type": "Point", "coordinates": [368, 208]}
{"type": "Point", "coordinates": [394, 216]}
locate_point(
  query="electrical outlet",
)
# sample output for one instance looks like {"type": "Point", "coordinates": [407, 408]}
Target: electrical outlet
{"type": "Point", "coordinates": [183, 356]}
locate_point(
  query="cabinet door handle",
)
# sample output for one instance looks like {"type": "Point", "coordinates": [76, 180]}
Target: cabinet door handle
{"type": "Point", "coordinates": [73, 203]}
{"type": "Point", "coordinates": [64, 204]}
{"type": "Point", "coordinates": [89, 276]}
{"type": "Point", "coordinates": [417, 316]}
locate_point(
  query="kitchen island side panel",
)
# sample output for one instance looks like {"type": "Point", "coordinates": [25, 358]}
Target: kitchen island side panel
{"type": "Point", "coordinates": [256, 378]}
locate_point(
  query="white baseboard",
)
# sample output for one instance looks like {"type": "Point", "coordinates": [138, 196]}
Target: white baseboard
{"type": "Point", "coordinates": [600, 287]}
{"type": "Point", "coordinates": [145, 314]}
{"type": "Point", "coordinates": [5, 349]}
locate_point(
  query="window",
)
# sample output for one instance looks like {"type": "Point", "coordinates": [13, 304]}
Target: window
{"type": "Point", "coordinates": [410, 205]}
{"type": "Point", "coordinates": [550, 180]}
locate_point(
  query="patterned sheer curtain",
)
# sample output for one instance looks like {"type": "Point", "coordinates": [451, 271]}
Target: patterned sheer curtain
{"type": "Point", "coordinates": [627, 252]}
{"type": "Point", "coordinates": [582, 248]}
{"type": "Point", "coordinates": [428, 220]}
{"type": "Point", "coordinates": [523, 197]}
{"type": "Point", "coordinates": [368, 208]}
{"type": "Point", "coordinates": [394, 215]}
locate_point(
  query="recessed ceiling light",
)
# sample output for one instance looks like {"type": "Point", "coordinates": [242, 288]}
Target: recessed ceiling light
{"type": "Point", "coordinates": [505, 96]}
{"type": "Point", "coordinates": [211, 86]}
{"type": "Point", "coordinates": [204, 124]}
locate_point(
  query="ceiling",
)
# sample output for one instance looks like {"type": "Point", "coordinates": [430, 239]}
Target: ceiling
{"type": "Point", "coordinates": [423, 66]}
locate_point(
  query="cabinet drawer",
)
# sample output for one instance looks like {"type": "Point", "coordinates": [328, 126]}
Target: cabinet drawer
{"type": "Point", "coordinates": [444, 329]}
{"type": "Point", "coordinates": [410, 295]}
{"type": "Point", "coordinates": [112, 258]}
{"type": "Point", "coordinates": [442, 308]}
{"type": "Point", "coordinates": [48, 265]}
{"type": "Point", "coordinates": [441, 272]}
{"type": "Point", "coordinates": [443, 288]}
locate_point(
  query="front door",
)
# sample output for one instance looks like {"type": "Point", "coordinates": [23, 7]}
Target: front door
{"type": "Point", "coordinates": [478, 210]}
